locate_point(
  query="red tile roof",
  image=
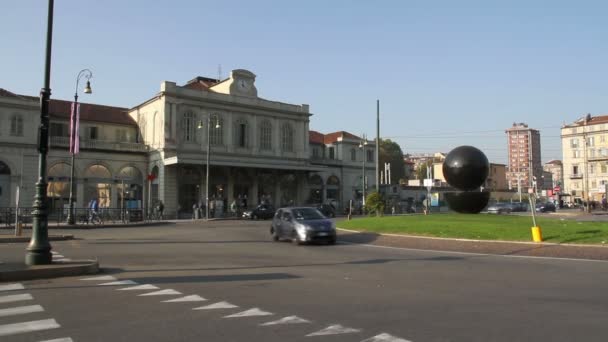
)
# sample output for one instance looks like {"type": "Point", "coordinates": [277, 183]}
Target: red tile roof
{"type": "Point", "coordinates": [201, 83]}
{"type": "Point", "coordinates": [91, 112]}
{"type": "Point", "coordinates": [315, 137]}
{"type": "Point", "coordinates": [333, 137]}
{"type": "Point", "coordinates": [591, 120]}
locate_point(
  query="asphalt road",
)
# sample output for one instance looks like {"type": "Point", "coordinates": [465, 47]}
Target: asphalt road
{"type": "Point", "coordinates": [356, 291]}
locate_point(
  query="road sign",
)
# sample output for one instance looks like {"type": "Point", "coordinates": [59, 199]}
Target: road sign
{"type": "Point", "coordinates": [557, 189]}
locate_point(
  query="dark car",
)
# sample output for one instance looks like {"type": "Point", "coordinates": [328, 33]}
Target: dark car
{"type": "Point", "coordinates": [545, 207]}
{"type": "Point", "coordinates": [326, 210]}
{"type": "Point", "coordinates": [262, 211]}
{"type": "Point", "coordinates": [302, 225]}
{"type": "Point", "coordinates": [519, 206]}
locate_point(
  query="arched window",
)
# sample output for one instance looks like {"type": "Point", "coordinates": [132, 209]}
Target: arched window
{"type": "Point", "coordinates": [188, 126]}
{"type": "Point", "coordinates": [241, 133]}
{"type": "Point", "coordinates": [98, 180]}
{"type": "Point", "coordinates": [287, 138]}
{"type": "Point", "coordinates": [16, 125]}
{"type": "Point", "coordinates": [58, 188]}
{"type": "Point", "coordinates": [266, 135]}
{"type": "Point", "coordinates": [130, 188]}
{"type": "Point", "coordinates": [5, 185]}
{"type": "Point", "coordinates": [217, 134]}
{"type": "Point", "coordinates": [353, 154]}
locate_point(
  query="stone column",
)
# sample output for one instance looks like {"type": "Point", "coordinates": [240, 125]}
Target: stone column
{"type": "Point", "coordinates": [255, 200]}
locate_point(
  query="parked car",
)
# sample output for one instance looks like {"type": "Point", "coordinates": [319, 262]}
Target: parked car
{"type": "Point", "coordinates": [326, 210]}
{"type": "Point", "coordinates": [262, 211]}
{"type": "Point", "coordinates": [545, 207]}
{"type": "Point", "coordinates": [302, 225]}
{"type": "Point", "coordinates": [499, 208]}
{"type": "Point", "coordinates": [519, 206]}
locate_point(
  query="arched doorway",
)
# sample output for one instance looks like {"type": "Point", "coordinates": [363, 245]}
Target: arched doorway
{"type": "Point", "coordinates": [5, 185]}
{"type": "Point", "coordinates": [98, 184]}
{"type": "Point", "coordinates": [242, 184]}
{"type": "Point", "coordinates": [189, 183]}
{"type": "Point", "coordinates": [333, 191]}
{"type": "Point", "coordinates": [289, 189]}
{"type": "Point", "coordinates": [130, 188]}
{"type": "Point", "coordinates": [266, 187]}
{"type": "Point", "coordinates": [58, 189]}
{"type": "Point", "coordinates": [315, 186]}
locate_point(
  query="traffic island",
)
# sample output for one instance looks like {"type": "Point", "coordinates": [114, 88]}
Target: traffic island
{"type": "Point", "coordinates": [21, 271]}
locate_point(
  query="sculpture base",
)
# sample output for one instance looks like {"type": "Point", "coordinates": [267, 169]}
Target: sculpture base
{"type": "Point", "coordinates": [467, 202]}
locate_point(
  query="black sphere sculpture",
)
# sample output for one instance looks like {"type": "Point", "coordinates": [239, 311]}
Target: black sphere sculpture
{"type": "Point", "coordinates": [466, 168]}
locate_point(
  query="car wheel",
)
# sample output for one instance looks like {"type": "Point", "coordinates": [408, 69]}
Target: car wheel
{"type": "Point", "coordinates": [275, 236]}
{"type": "Point", "coordinates": [332, 241]}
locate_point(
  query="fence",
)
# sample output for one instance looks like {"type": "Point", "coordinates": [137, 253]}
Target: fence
{"type": "Point", "coordinates": [82, 216]}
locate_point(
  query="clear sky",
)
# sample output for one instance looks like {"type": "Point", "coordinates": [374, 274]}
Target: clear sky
{"type": "Point", "coordinates": [447, 73]}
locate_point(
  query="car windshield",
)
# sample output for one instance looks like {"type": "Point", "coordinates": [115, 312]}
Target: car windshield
{"type": "Point", "coordinates": [307, 214]}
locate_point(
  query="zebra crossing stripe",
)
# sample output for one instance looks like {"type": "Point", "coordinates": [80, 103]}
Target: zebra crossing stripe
{"type": "Point", "coordinates": [120, 282]}
{"type": "Point", "coordinates": [384, 337]}
{"type": "Point", "coordinates": [250, 312]}
{"type": "Point", "coordinates": [106, 277]}
{"type": "Point", "coordinates": [23, 327]}
{"type": "Point", "coordinates": [11, 287]}
{"type": "Point", "coordinates": [58, 256]}
{"type": "Point", "coordinates": [15, 298]}
{"type": "Point", "coordinates": [218, 305]}
{"type": "Point", "coordinates": [139, 287]}
{"type": "Point", "coordinates": [334, 330]}
{"type": "Point", "coordinates": [168, 292]}
{"type": "Point", "coordinates": [20, 310]}
{"type": "Point", "coordinates": [287, 320]}
{"type": "Point", "coordinates": [192, 298]}
{"type": "Point", "coordinates": [65, 339]}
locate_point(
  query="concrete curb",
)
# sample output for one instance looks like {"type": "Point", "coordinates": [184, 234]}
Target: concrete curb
{"type": "Point", "coordinates": [14, 239]}
{"type": "Point", "coordinates": [56, 270]}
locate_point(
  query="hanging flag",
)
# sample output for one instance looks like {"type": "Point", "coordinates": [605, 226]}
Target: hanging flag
{"type": "Point", "coordinates": [75, 129]}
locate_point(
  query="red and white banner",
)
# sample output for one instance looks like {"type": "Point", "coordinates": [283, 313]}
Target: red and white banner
{"type": "Point", "coordinates": [75, 129]}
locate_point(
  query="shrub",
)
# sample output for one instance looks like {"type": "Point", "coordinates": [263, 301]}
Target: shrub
{"type": "Point", "coordinates": [374, 204]}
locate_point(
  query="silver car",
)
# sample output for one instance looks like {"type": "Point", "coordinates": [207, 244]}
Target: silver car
{"type": "Point", "coordinates": [302, 225]}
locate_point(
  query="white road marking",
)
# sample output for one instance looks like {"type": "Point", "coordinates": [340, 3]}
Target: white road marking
{"type": "Point", "coordinates": [162, 293]}
{"type": "Point", "coordinates": [192, 298]}
{"type": "Point", "coordinates": [139, 287]}
{"type": "Point", "coordinates": [20, 310]}
{"type": "Point", "coordinates": [120, 282]}
{"type": "Point", "coordinates": [15, 298]}
{"type": "Point", "coordinates": [287, 320]}
{"type": "Point", "coordinates": [106, 277]}
{"type": "Point", "coordinates": [384, 337]}
{"type": "Point", "coordinates": [54, 252]}
{"type": "Point", "coordinates": [55, 256]}
{"type": "Point", "coordinates": [11, 287]}
{"type": "Point", "coordinates": [219, 305]}
{"type": "Point", "coordinates": [23, 327]}
{"type": "Point", "coordinates": [334, 330]}
{"type": "Point", "coordinates": [250, 312]}
{"type": "Point", "coordinates": [62, 259]}
{"type": "Point", "coordinates": [65, 339]}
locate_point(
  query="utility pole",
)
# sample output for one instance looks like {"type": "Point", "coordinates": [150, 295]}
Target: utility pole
{"type": "Point", "coordinates": [378, 146]}
{"type": "Point", "coordinates": [586, 183]}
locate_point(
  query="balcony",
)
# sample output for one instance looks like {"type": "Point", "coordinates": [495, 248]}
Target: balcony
{"type": "Point", "coordinates": [576, 176]}
{"type": "Point", "coordinates": [117, 146]}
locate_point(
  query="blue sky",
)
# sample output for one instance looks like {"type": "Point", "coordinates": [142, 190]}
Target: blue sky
{"type": "Point", "coordinates": [447, 73]}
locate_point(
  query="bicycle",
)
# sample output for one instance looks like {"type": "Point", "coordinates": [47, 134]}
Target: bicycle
{"type": "Point", "coordinates": [95, 218]}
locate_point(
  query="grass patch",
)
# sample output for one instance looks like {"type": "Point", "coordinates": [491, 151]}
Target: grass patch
{"type": "Point", "coordinates": [484, 227]}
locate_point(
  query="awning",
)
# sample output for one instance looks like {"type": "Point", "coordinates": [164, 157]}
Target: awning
{"type": "Point", "coordinates": [240, 163]}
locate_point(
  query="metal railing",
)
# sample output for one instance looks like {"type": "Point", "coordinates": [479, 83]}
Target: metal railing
{"type": "Point", "coordinates": [101, 144]}
{"type": "Point", "coordinates": [83, 216]}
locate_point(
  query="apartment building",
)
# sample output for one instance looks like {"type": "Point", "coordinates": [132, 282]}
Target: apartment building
{"type": "Point", "coordinates": [524, 163]}
{"type": "Point", "coordinates": [585, 157]}
{"type": "Point", "coordinates": [556, 169]}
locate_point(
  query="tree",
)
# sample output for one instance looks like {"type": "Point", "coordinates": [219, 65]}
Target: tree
{"type": "Point", "coordinates": [374, 204]}
{"type": "Point", "coordinates": [421, 171]}
{"type": "Point", "coordinates": [390, 152]}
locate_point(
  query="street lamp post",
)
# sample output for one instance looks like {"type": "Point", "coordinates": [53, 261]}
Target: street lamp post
{"type": "Point", "coordinates": [362, 145]}
{"type": "Point", "coordinates": [85, 73]}
{"type": "Point", "coordinates": [39, 249]}
{"type": "Point", "coordinates": [200, 125]}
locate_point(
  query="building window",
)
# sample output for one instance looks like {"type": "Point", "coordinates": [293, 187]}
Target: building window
{"type": "Point", "coordinates": [602, 138]}
{"type": "Point", "coordinates": [575, 170]}
{"type": "Point", "coordinates": [370, 155]}
{"type": "Point", "coordinates": [217, 134]}
{"type": "Point", "coordinates": [353, 154]}
{"type": "Point", "coordinates": [241, 133]}
{"type": "Point", "coordinates": [315, 152]}
{"type": "Point", "coordinates": [574, 143]}
{"type": "Point", "coordinates": [121, 135]}
{"type": "Point", "coordinates": [93, 133]}
{"type": "Point", "coordinates": [266, 135]}
{"type": "Point", "coordinates": [576, 154]}
{"type": "Point", "coordinates": [604, 168]}
{"type": "Point", "coordinates": [591, 168]}
{"type": "Point", "coordinates": [59, 129]}
{"type": "Point", "coordinates": [592, 153]}
{"type": "Point", "coordinates": [331, 153]}
{"type": "Point", "coordinates": [287, 138]}
{"type": "Point", "coordinates": [16, 125]}
{"type": "Point", "coordinates": [188, 126]}
{"type": "Point", "coordinates": [591, 141]}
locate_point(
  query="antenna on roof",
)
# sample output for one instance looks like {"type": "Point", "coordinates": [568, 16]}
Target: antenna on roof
{"type": "Point", "coordinates": [219, 72]}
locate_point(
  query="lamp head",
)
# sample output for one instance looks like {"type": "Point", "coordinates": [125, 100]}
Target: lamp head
{"type": "Point", "coordinates": [87, 89]}
{"type": "Point", "coordinates": [200, 124]}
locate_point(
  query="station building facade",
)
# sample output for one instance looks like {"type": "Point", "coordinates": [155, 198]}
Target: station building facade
{"type": "Point", "coordinates": [258, 150]}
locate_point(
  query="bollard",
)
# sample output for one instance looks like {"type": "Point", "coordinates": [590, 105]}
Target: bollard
{"type": "Point", "coordinates": [537, 235]}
